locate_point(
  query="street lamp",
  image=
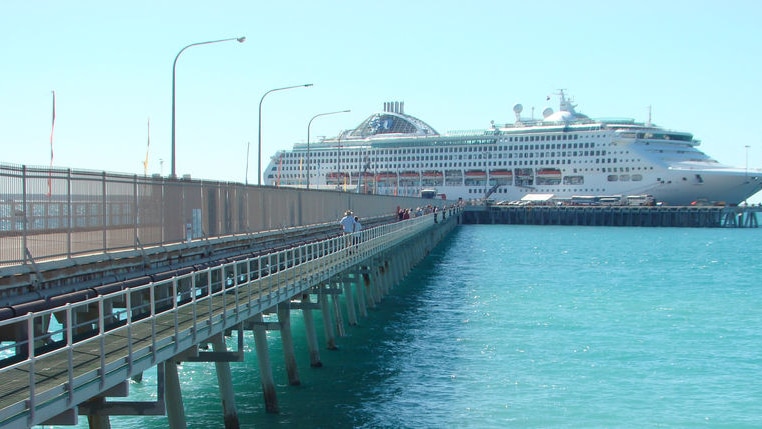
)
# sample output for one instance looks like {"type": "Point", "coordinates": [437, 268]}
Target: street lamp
{"type": "Point", "coordinates": [339, 177]}
{"type": "Point", "coordinates": [308, 139]}
{"type": "Point", "coordinates": [259, 152]}
{"type": "Point", "coordinates": [174, 67]}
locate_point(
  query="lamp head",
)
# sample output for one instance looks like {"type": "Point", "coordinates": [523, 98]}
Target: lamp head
{"type": "Point", "coordinates": [241, 39]}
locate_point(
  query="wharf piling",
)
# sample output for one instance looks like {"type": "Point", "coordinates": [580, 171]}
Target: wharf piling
{"type": "Point", "coordinates": [640, 216]}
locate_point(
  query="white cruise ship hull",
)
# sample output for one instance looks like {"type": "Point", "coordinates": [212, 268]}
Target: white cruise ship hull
{"type": "Point", "coordinates": [564, 155]}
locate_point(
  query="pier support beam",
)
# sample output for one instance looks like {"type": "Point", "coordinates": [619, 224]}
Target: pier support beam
{"type": "Point", "coordinates": [360, 289]}
{"type": "Point", "coordinates": [225, 381]}
{"type": "Point", "coordinates": [338, 317]}
{"type": "Point", "coordinates": [349, 296]}
{"type": "Point", "coordinates": [287, 339]}
{"type": "Point", "coordinates": [174, 396]}
{"type": "Point", "coordinates": [265, 369]}
{"type": "Point", "coordinates": [309, 325]}
{"type": "Point", "coordinates": [96, 421]}
{"type": "Point", "coordinates": [330, 335]}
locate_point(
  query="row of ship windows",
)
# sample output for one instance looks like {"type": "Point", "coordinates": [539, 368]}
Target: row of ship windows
{"type": "Point", "coordinates": [611, 177]}
{"type": "Point", "coordinates": [396, 166]}
{"type": "Point", "coordinates": [431, 150]}
{"type": "Point", "coordinates": [542, 138]}
{"type": "Point", "coordinates": [454, 157]}
{"type": "Point", "coordinates": [481, 191]}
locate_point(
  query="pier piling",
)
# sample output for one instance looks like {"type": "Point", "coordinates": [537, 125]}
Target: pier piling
{"type": "Point", "coordinates": [174, 396]}
{"type": "Point", "coordinates": [287, 339]}
{"type": "Point", "coordinates": [265, 369]}
{"type": "Point", "coordinates": [225, 381]}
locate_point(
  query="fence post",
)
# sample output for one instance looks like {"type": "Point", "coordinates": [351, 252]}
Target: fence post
{"type": "Point", "coordinates": [23, 212]}
{"type": "Point", "coordinates": [69, 226]}
{"type": "Point", "coordinates": [104, 209]}
{"type": "Point", "coordinates": [134, 210]}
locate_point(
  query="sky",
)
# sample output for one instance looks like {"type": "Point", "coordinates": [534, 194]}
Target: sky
{"type": "Point", "coordinates": [457, 65]}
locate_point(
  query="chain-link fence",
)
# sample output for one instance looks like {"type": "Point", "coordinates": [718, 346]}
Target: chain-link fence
{"type": "Point", "coordinates": [51, 213]}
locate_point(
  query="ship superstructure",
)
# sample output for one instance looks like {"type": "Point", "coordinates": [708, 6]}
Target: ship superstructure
{"type": "Point", "coordinates": [565, 153]}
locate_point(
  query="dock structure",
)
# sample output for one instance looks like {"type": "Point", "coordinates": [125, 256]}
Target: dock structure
{"type": "Point", "coordinates": [104, 276]}
{"type": "Point", "coordinates": [636, 216]}
{"type": "Point", "coordinates": [108, 335]}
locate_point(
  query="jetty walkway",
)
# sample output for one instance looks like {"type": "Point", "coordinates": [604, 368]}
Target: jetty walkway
{"type": "Point", "coordinates": [148, 272]}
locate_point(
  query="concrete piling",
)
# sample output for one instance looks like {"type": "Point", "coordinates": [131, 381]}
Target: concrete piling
{"type": "Point", "coordinates": [287, 339]}
{"type": "Point", "coordinates": [225, 381]}
{"type": "Point", "coordinates": [174, 396]}
{"type": "Point", "coordinates": [265, 369]}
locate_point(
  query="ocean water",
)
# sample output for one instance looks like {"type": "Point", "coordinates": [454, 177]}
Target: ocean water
{"type": "Point", "coordinates": [528, 327]}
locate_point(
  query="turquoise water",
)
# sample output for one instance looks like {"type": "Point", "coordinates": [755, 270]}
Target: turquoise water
{"type": "Point", "coordinates": [529, 327]}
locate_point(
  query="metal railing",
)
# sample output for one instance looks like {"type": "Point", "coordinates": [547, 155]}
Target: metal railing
{"type": "Point", "coordinates": [53, 213]}
{"type": "Point", "coordinates": [65, 355]}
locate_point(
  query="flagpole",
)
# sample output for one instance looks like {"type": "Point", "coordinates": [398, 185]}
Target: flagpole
{"type": "Point", "coordinates": [52, 128]}
{"type": "Point", "coordinates": [145, 162]}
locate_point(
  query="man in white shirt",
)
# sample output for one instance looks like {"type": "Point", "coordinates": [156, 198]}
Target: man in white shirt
{"type": "Point", "coordinates": [348, 226]}
{"type": "Point", "coordinates": [347, 222]}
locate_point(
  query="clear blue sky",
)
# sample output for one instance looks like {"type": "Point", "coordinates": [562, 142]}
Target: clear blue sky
{"type": "Point", "coordinates": [455, 64]}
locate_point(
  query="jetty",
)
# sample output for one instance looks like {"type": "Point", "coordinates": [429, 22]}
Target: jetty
{"type": "Point", "coordinates": [641, 216]}
{"type": "Point", "coordinates": [104, 276]}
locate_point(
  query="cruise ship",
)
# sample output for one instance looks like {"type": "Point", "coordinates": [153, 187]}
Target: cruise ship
{"type": "Point", "coordinates": [563, 154]}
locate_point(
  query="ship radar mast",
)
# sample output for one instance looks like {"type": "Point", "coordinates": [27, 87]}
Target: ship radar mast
{"type": "Point", "coordinates": [566, 104]}
{"type": "Point", "coordinates": [648, 124]}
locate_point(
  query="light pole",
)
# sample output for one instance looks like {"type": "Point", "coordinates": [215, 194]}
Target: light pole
{"type": "Point", "coordinates": [259, 152]}
{"type": "Point", "coordinates": [746, 173]}
{"type": "Point", "coordinates": [342, 185]}
{"type": "Point", "coordinates": [174, 67]}
{"type": "Point", "coordinates": [308, 139]}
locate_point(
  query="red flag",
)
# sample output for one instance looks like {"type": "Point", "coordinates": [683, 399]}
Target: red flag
{"type": "Point", "coordinates": [52, 128]}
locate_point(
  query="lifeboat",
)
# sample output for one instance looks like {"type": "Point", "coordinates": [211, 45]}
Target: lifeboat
{"type": "Point", "coordinates": [472, 174]}
{"type": "Point", "coordinates": [386, 175]}
{"type": "Point", "coordinates": [549, 173]}
{"type": "Point", "coordinates": [501, 173]}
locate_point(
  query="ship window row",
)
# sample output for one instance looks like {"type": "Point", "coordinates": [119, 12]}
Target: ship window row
{"type": "Point", "coordinates": [611, 178]}
{"type": "Point", "coordinates": [473, 164]}
{"type": "Point", "coordinates": [542, 138]}
{"type": "Point", "coordinates": [431, 150]}
{"type": "Point", "coordinates": [530, 163]}
{"type": "Point", "coordinates": [350, 158]}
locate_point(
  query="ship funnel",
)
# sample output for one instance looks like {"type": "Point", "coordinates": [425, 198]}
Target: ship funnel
{"type": "Point", "coordinates": [394, 107]}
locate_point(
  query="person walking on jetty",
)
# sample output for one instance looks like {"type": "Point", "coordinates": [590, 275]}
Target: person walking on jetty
{"type": "Point", "coordinates": [348, 226]}
{"type": "Point", "coordinates": [358, 228]}
{"type": "Point", "coordinates": [347, 222]}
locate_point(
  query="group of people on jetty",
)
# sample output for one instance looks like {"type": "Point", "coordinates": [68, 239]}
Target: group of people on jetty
{"type": "Point", "coordinates": [403, 213]}
{"type": "Point", "coordinates": [351, 224]}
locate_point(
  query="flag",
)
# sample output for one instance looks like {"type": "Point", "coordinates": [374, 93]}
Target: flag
{"type": "Point", "coordinates": [52, 128]}
{"type": "Point", "coordinates": [145, 162]}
